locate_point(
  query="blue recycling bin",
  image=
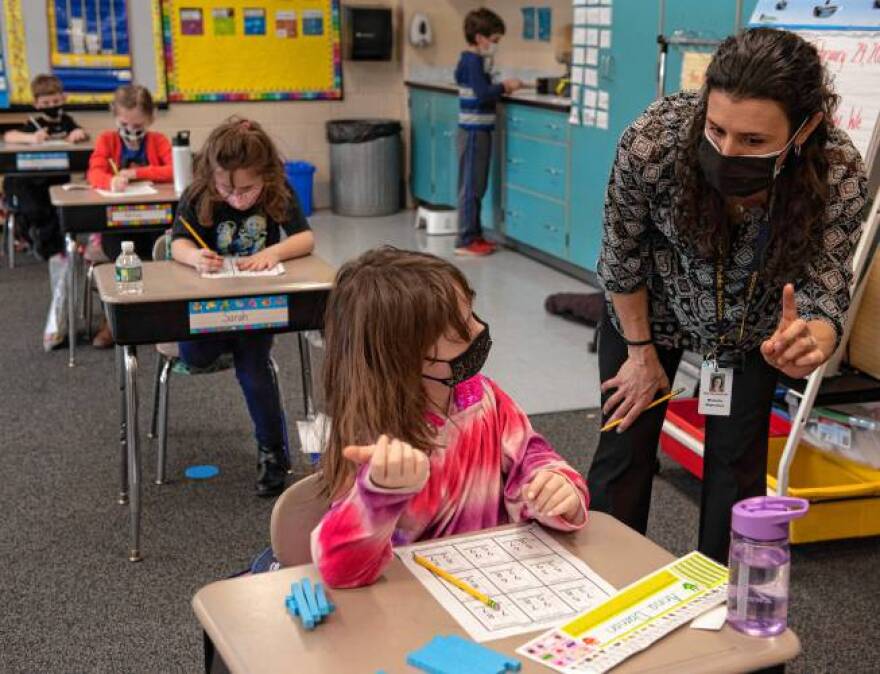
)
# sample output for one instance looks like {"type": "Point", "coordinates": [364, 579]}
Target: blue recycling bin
{"type": "Point", "coordinates": [301, 177]}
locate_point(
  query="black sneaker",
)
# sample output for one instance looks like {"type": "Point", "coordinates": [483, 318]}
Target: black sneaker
{"type": "Point", "coordinates": [272, 466]}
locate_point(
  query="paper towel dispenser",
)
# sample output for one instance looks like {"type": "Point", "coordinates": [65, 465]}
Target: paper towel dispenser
{"type": "Point", "coordinates": [367, 33]}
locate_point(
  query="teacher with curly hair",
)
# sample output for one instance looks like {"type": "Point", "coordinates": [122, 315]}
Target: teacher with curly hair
{"type": "Point", "coordinates": [730, 221]}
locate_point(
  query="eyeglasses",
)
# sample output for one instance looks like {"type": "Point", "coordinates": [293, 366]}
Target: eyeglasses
{"type": "Point", "coordinates": [227, 192]}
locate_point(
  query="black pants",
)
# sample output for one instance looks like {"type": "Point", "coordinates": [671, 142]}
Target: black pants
{"type": "Point", "coordinates": [29, 197]}
{"type": "Point", "coordinates": [735, 456]}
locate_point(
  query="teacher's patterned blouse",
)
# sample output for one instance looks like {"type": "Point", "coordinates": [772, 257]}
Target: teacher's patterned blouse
{"type": "Point", "coordinates": [641, 245]}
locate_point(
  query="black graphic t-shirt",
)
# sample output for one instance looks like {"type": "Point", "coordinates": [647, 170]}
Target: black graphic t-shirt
{"type": "Point", "coordinates": [57, 127]}
{"type": "Point", "coordinates": [237, 232]}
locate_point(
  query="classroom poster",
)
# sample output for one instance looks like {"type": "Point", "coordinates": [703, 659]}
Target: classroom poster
{"type": "Point", "coordinates": [245, 50]}
{"type": "Point", "coordinates": [847, 35]}
{"type": "Point", "coordinates": [89, 46]}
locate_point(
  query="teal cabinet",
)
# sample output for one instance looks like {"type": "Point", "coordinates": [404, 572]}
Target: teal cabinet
{"type": "Point", "coordinates": [535, 180]}
{"type": "Point", "coordinates": [434, 154]}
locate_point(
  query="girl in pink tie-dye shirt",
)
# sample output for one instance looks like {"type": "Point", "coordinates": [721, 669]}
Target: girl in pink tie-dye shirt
{"type": "Point", "coordinates": [421, 445]}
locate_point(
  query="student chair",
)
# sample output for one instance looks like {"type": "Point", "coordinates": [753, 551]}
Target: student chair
{"type": "Point", "coordinates": [168, 361]}
{"type": "Point", "coordinates": [296, 513]}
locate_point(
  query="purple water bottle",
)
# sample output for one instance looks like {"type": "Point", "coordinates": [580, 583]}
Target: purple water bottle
{"type": "Point", "coordinates": [757, 594]}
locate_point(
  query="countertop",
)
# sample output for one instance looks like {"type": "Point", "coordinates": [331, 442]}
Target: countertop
{"type": "Point", "coordinates": [524, 96]}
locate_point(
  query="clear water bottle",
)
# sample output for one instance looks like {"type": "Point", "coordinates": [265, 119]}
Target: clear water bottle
{"type": "Point", "coordinates": [760, 559]}
{"type": "Point", "coordinates": [129, 271]}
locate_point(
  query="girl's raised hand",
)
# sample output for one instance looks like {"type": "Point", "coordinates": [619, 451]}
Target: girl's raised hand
{"type": "Point", "coordinates": [550, 494]}
{"type": "Point", "coordinates": [394, 464]}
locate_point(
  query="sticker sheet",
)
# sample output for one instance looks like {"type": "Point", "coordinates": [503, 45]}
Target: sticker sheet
{"type": "Point", "coordinates": [536, 582]}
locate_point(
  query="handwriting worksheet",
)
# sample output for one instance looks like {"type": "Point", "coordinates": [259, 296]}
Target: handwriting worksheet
{"type": "Point", "coordinates": [536, 582]}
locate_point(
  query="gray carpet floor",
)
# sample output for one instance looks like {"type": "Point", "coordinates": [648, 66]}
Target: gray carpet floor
{"type": "Point", "coordinates": [71, 602]}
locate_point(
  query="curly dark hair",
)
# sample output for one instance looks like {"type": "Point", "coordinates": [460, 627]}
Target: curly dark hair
{"type": "Point", "coordinates": [779, 66]}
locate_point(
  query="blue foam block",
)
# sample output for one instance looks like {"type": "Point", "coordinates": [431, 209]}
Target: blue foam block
{"type": "Point", "coordinates": [303, 606]}
{"type": "Point", "coordinates": [324, 606]}
{"type": "Point", "coordinates": [201, 472]}
{"type": "Point", "coordinates": [454, 655]}
{"type": "Point", "coordinates": [311, 600]}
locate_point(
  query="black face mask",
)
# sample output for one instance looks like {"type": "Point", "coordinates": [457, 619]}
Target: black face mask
{"type": "Point", "coordinates": [53, 112]}
{"type": "Point", "coordinates": [742, 175]}
{"type": "Point", "coordinates": [469, 362]}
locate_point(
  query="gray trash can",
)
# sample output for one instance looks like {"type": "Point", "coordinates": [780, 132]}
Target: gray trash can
{"type": "Point", "coordinates": [365, 166]}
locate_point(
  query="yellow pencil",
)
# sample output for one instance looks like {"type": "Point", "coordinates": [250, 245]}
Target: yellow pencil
{"type": "Point", "coordinates": [114, 167]}
{"type": "Point", "coordinates": [659, 401]}
{"type": "Point", "coordinates": [192, 231]}
{"type": "Point", "coordinates": [460, 584]}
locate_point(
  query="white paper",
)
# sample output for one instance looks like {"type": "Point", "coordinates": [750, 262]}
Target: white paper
{"type": "Point", "coordinates": [591, 77]}
{"type": "Point", "coordinates": [574, 116]}
{"type": "Point", "coordinates": [577, 75]}
{"type": "Point", "coordinates": [711, 620]}
{"type": "Point", "coordinates": [605, 39]}
{"type": "Point", "coordinates": [578, 56]}
{"type": "Point", "coordinates": [580, 15]}
{"type": "Point", "coordinates": [230, 269]}
{"type": "Point", "coordinates": [575, 94]}
{"type": "Point", "coordinates": [579, 36]}
{"type": "Point", "coordinates": [132, 190]}
{"type": "Point", "coordinates": [601, 119]}
{"type": "Point", "coordinates": [603, 99]}
{"type": "Point", "coordinates": [604, 16]}
{"type": "Point", "coordinates": [590, 98]}
{"type": "Point", "coordinates": [536, 582]}
{"type": "Point", "coordinates": [589, 116]}
{"type": "Point", "coordinates": [606, 2]}
{"type": "Point", "coordinates": [592, 56]}
{"type": "Point", "coordinates": [592, 39]}
{"type": "Point", "coordinates": [593, 15]}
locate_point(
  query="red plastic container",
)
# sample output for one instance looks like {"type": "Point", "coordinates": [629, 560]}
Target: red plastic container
{"type": "Point", "coordinates": [684, 434]}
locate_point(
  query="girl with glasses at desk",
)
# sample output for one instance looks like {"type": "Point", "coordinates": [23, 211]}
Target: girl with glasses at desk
{"type": "Point", "coordinates": [237, 205]}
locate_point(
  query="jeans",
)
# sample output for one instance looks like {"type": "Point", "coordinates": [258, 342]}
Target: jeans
{"type": "Point", "coordinates": [251, 356]}
{"type": "Point", "coordinates": [735, 453]}
{"type": "Point", "coordinates": [474, 160]}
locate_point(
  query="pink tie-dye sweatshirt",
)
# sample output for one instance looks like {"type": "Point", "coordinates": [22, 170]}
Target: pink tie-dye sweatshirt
{"type": "Point", "coordinates": [487, 453]}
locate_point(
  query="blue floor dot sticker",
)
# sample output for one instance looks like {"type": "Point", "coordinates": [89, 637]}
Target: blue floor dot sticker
{"type": "Point", "coordinates": [201, 472]}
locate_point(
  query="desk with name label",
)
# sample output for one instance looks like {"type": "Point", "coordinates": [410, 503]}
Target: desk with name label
{"type": "Point", "coordinates": [373, 628]}
{"type": "Point", "coordinates": [85, 211]}
{"type": "Point", "coordinates": [178, 304]}
{"type": "Point", "coordinates": [52, 158]}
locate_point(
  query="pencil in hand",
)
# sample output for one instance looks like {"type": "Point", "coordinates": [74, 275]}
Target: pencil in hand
{"type": "Point", "coordinates": [114, 167]}
{"type": "Point", "coordinates": [669, 396]}
{"type": "Point", "coordinates": [457, 582]}
{"type": "Point", "coordinates": [193, 232]}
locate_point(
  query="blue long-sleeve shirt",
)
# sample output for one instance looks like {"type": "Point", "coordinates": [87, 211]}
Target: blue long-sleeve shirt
{"type": "Point", "coordinates": [477, 95]}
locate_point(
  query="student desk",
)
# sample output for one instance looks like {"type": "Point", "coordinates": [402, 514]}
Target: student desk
{"type": "Point", "coordinates": [177, 304]}
{"type": "Point", "coordinates": [375, 627]}
{"type": "Point", "coordinates": [86, 211]}
{"type": "Point", "coordinates": [46, 159]}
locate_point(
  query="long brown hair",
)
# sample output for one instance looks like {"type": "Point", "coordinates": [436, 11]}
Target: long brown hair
{"type": "Point", "coordinates": [239, 144]}
{"type": "Point", "coordinates": [387, 310]}
{"type": "Point", "coordinates": [779, 66]}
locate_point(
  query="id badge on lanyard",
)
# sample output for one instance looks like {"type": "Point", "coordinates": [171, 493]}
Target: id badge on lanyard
{"type": "Point", "coordinates": [716, 389]}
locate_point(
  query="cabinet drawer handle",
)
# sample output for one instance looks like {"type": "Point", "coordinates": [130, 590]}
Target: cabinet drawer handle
{"type": "Point", "coordinates": [447, 134]}
{"type": "Point", "coordinates": [512, 160]}
{"type": "Point", "coordinates": [515, 120]}
{"type": "Point", "coordinates": [554, 172]}
{"type": "Point", "coordinates": [512, 214]}
{"type": "Point", "coordinates": [553, 127]}
{"type": "Point", "coordinates": [551, 228]}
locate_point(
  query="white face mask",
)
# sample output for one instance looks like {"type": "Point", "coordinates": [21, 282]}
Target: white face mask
{"type": "Point", "coordinates": [490, 50]}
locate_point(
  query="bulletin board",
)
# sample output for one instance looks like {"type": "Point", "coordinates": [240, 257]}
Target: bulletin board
{"type": "Point", "coordinates": [252, 50]}
{"type": "Point", "coordinates": [91, 45]}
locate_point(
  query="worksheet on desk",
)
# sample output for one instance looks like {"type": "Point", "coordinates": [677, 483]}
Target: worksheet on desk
{"type": "Point", "coordinates": [230, 269]}
{"type": "Point", "coordinates": [144, 189]}
{"type": "Point", "coordinates": [535, 580]}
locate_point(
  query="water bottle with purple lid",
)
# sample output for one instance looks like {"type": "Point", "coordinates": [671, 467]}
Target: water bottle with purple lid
{"type": "Point", "coordinates": [757, 594]}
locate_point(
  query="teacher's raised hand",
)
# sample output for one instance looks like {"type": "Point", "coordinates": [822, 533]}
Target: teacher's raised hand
{"type": "Point", "coordinates": [797, 347]}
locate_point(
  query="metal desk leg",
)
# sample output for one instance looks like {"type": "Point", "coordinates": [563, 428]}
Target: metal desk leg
{"type": "Point", "coordinates": [71, 297]}
{"type": "Point", "coordinates": [134, 457]}
{"type": "Point", "coordinates": [10, 240]}
{"type": "Point", "coordinates": [305, 359]}
{"type": "Point", "coordinates": [123, 444]}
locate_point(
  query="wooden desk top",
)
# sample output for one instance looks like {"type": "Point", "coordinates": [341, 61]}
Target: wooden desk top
{"type": "Point", "coordinates": [53, 146]}
{"type": "Point", "coordinates": [169, 281]}
{"type": "Point", "coordinates": [375, 627]}
{"type": "Point", "coordinates": [62, 198]}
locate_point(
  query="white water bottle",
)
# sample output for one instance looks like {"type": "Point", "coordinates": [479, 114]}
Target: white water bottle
{"type": "Point", "coordinates": [181, 161]}
{"type": "Point", "coordinates": [129, 271]}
